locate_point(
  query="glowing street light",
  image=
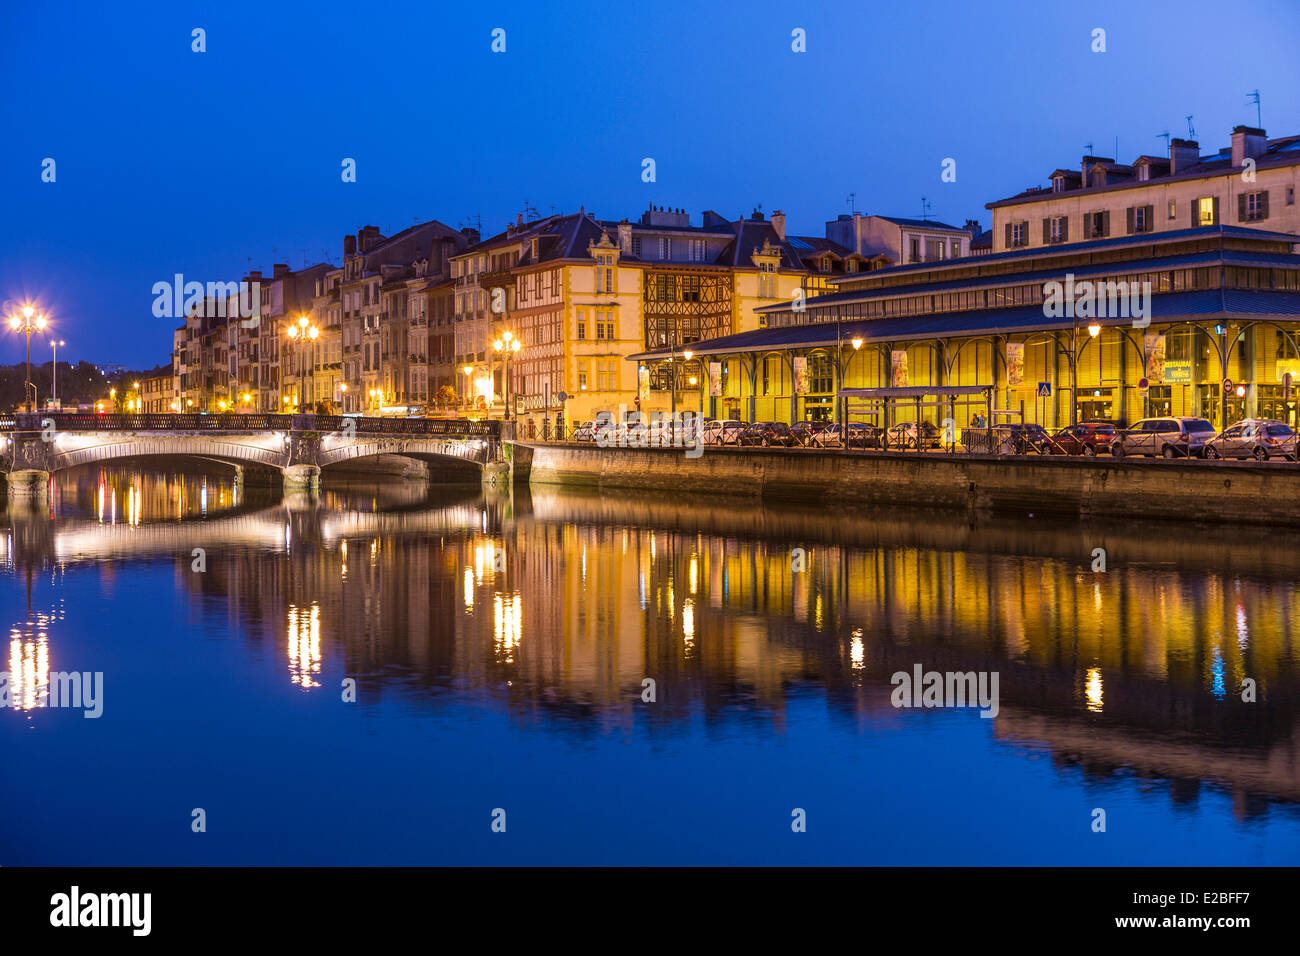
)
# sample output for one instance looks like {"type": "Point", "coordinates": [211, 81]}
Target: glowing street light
{"type": "Point", "coordinates": [506, 345]}
{"type": "Point", "coordinates": [29, 322]}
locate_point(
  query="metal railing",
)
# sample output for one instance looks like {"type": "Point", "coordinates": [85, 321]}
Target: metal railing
{"type": "Point", "coordinates": [233, 421]}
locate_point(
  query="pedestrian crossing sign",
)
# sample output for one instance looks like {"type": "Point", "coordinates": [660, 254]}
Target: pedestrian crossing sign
{"type": "Point", "coordinates": [1044, 389]}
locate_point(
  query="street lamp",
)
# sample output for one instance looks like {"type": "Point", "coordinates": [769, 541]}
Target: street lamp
{"type": "Point", "coordinates": [28, 323]}
{"type": "Point", "coordinates": [54, 387]}
{"type": "Point", "coordinates": [469, 371]}
{"type": "Point", "coordinates": [506, 345]}
{"type": "Point", "coordinates": [308, 333]}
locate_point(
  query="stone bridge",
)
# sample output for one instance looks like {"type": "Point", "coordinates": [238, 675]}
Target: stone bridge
{"type": "Point", "coordinates": [297, 446]}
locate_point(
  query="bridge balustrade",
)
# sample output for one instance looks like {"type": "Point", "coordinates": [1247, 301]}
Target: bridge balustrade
{"type": "Point", "coordinates": [233, 421]}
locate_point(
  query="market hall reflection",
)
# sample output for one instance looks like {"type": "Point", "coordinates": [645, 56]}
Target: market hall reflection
{"type": "Point", "coordinates": [556, 606]}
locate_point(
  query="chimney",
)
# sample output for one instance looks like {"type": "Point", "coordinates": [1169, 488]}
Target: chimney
{"type": "Point", "coordinates": [519, 221]}
{"type": "Point", "coordinates": [1247, 143]}
{"type": "Point", "coordinates": [625, 237]}
{"type": "Point", "coordinates": [279, 270]}
{"type": "Point", "coordinates": [1183, 154]}
{"type": "Point", "coordinates": [368, 238]}
{"type": "Point", "coordinates": [349, 245]}
{"type": "Point", "coordinates": [778, 223]}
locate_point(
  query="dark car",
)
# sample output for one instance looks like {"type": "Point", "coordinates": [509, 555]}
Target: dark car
{"type": "Point", "coordinates": [1028, 438]}
{"type": "Point", "coordinates": [805, 433]}
{"type": "Point", "coordinates": [1258, 438]}
{"type": "Point", "coordinates": [1164, 437]}
{"type": "Point", "coordinates": [1085, 438]}
{"type": "Point", "coordinates": [767, 433]}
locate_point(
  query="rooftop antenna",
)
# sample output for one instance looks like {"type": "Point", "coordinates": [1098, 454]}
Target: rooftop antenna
{"type": "Point", "coordinates": [1088, 147]}
{"type": "Point", "coordinates": [925, 208]}
{"type": "Point", "coordinates": [1191, 130]}
{"type": "Point", "coordinates": [1117, 149]}
{"type": "Point", "coordinates": [852, 207]}
{"type": "Point", "coordinates": [1253, 97]}
{"type": "Point", "coordinates": [304, 256]}
{"type": "Point", "coordinates": [1165, 136]}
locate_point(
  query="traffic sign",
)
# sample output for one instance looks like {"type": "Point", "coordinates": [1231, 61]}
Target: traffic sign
{"type": "Point", "coordinates": [1143, 384]}
{"type": "Point", "coordinates": [1044, 389]}
{"type": "Point", "coordinates": [1227, 385]}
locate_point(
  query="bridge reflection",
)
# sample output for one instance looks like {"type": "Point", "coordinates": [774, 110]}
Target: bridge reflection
{"type": "Point", "coordinates": [557, 606]}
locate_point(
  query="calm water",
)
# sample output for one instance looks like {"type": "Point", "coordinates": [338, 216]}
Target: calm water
{"type": "Point", "coordinates": [499, 644]}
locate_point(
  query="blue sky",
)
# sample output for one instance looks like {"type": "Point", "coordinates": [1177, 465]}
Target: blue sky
{"type": "Point", "coordinates": [173, 161]}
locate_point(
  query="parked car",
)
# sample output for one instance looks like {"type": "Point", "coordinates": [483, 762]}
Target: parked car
{"type": "Point", "coordinates": [1085, 438]}
{"type": "Point", "coordinates": [584, 432]}
{"type": "Point", "coordinates": [1258, 438]}
{"type": "Point", "coordinates": [1164, 437]}
{"type": "Point", "coordinates": [805, 433]}
{"type": "Point", "coordinates": [767, 433]}
{"type": "Point", "coordinates": [860, 435]}
{"type": "Point", "coordinates": [722, 431]}
{"type": "Point", "coordinates": [1024, 438]}
{"type": "Point", "coordinates": [913, 435]}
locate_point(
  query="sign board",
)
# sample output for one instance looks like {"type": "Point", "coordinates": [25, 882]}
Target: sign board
{"type": "Point", "coordinates": [1143, 384]}
{"type": "Point", "coordinates": [1227, 385]}
{"type": "Point", "coordinates": [1178, 372]}
{"type": "Point", "coordinates": [1044, 389]}
{"type": "Point", "coordinates": [1015, 363]}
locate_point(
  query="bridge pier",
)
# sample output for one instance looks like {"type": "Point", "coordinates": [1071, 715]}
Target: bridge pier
{"type": "Point", "coordinates": [28, 483]}
{"type": "Point", "coordinates": [298, 478]}
{"type": "Point", "coordinates": [496, 474]}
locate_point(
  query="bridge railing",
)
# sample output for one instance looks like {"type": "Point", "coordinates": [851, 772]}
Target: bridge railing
{"type": "Point", "coordinates": [231, 421]}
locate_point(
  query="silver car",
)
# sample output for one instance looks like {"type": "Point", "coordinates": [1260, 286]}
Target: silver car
{"type": "Point", "coordinates": [1164, 437]}
{"type": "Point", "coordinates": [1258, 438]}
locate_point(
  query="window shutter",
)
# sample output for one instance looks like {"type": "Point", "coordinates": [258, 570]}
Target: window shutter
{"type": "Point", "coordinates": [1217, 220]}
{"type": "Point", "coordinates": [1241, 207]}
{"type": "Point", "coordinates": [1087, 225]}
{"type": "Point", "coordinates": [1105, 223]}
{"type": "Point", "coordinates": [1195, 219]}
{"type": "Point", "coordinates": [1047, 231]}
{"type": "Point", "coordinates": [1151, 218]}
{"type": "Point", "coordinates": [1263, 204]}
{"type": "Point", "coordinates": [1128, 214]}
{"type": "Point", "coordinates": [1008, 238]}
{"type": "Point", "coordinates": [1065, 228]}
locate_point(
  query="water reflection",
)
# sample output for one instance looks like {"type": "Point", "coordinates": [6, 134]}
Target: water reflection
{"type": "Point", "coordinates": [556, 606]}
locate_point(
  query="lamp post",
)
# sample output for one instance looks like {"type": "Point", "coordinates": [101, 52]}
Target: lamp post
{"type": "Point", "coordinates": [28, 323]}
{"type": "Point", "coordinates": [54, 385]}
{"type": "Point", "coordinates": [506, 345]}
{"type": "Point", "coordinates": [469, 372]}
{"type": "Point", "coordinates": [1094, 330]}
{"type": "Point", "coordinates": [856, 342]}
{"type": "Point", "coordinates": [308, 333]}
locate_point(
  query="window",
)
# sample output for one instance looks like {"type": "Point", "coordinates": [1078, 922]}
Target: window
{"type": "Point", "coordinates": [1290, 195]}
{"type": "Point", "coordinates": [582, 330]}
{"type": "Point", "coordinates": [914, 250]}
{"type": "Point", "coordinates": [1139, 219]}
{"type": "Point", "coordinates": [665, 248]}
{"type": "Point", "coordinates": [1096, 225]}
{"type": "Point", "coordinates": [1058, 229]}
{"type": "Point", "coordinates": [1173, 209]}
{"type": "Point", "coordinates": [1205, 211]}
{"type": "Point", "coordinates": [1252, 207]}
{"type": "Point", "coordinates": [582, 376]}
{"type": "Point", "coordinates": [636, 246]}
{"type": "Point", "coordinates": [696, 250]}
{"type": "Point", "coordinates": [1017, 234]}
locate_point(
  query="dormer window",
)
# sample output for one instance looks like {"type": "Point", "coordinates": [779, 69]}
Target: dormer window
{"type": "Point", "coordinates": [1058, 184]}
{"type": "Point", "coordinates": [1098, 175]}
{"type": "Point", "coordinates": [1144, 172]}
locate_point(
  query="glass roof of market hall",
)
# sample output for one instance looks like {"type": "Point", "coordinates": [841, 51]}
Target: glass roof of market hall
{"type": "Point", "coordinates": [1206, 272]}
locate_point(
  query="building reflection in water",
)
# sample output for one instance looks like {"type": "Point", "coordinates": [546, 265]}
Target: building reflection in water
{"type": "Point", "coordinates": [1123, 669]}
{"type": "Point", "coordinates": [29, 661]}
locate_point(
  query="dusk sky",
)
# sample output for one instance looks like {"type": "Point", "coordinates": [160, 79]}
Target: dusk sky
{"type": "Point", "coordinates": [208, 163]}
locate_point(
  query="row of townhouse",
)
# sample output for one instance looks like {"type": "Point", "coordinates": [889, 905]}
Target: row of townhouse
{"type": "Point", "coordinates": [536, 322]}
